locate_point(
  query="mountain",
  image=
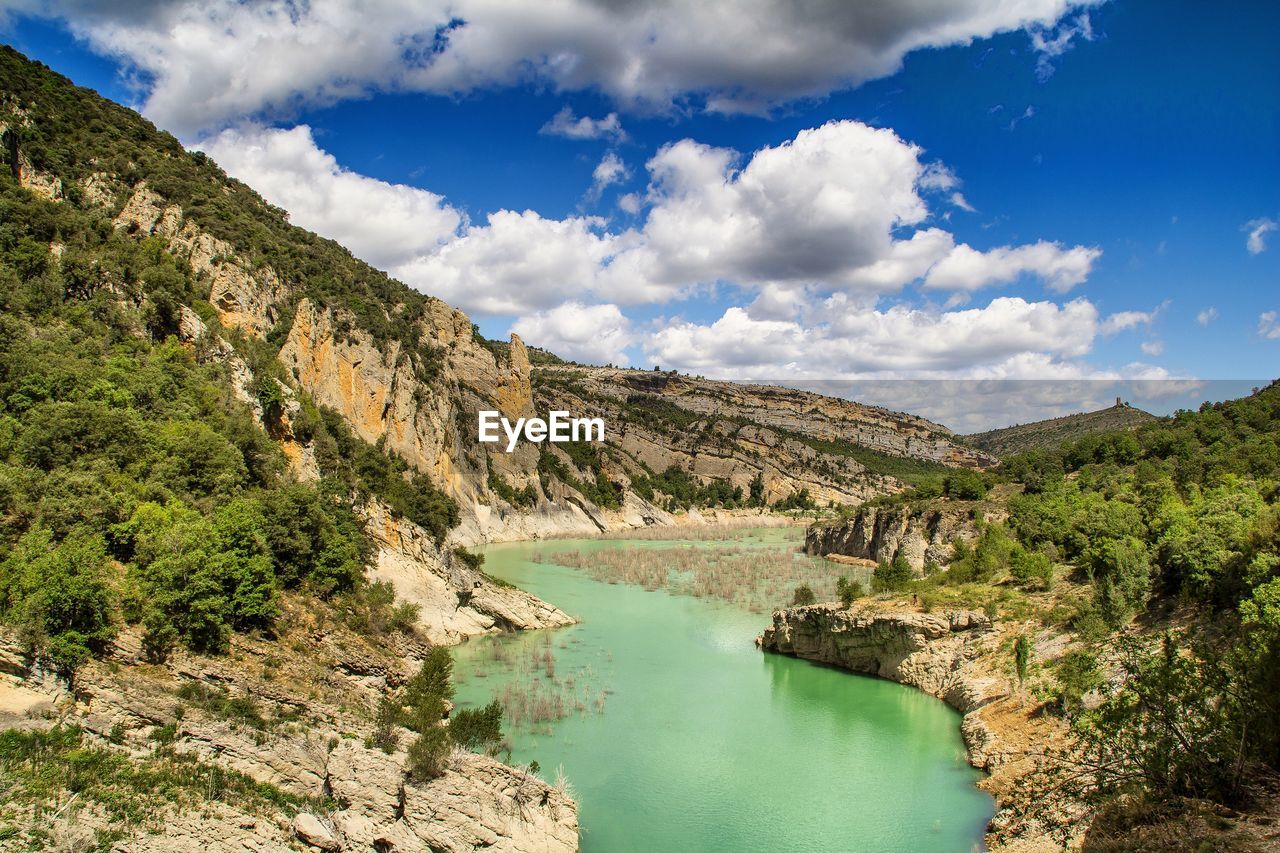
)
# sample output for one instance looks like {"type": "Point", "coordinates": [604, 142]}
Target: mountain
{"type": "Point", "coordinates": [1050, 434]}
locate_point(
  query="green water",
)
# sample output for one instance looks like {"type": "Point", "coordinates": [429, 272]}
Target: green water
{"type": "Point", "coordinates": [681, 735]}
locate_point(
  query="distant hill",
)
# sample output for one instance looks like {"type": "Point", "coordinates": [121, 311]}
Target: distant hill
{"type": "Point", "coordinates": [1041, 435]}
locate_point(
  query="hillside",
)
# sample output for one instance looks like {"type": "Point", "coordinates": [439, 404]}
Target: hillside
{"type": "Point", "coordinates": [1119, 680]}
{"type": "Point", "coordinates": [408, 372]}
{"type": "Point", "coordinates": [1049, 434]}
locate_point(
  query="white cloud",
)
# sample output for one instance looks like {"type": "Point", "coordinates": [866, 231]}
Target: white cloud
{"type": "Point", "coordinates": [212, 62]}
{"type": "Point", "coordinates": [385, 224]}
{"type": "Point", "coordinates": [1207, 316]}
{"type": "Point", "coordinates": [1269, 325]}
{"type": "Point", "coordinates": [1124, 320]}
{"type": "Point", "coordinates": [566, 124]}
{"type": "Point", "coordinates": [610, 170]}
{"type": "Point", "coordinates": [830, 211]}
{"type": "Point", "coordinates": [958, 200]}
{"type": "Point", "coordinates": [1152, 348]}
{"type": "Point", "coordinates": [1052, 42]}
{"type": "Point", "coordinates": [966, 268]}
{"type": "Point", "coordinates": [1008, 338]}
{"type": "Point", "coordinates": [514, 263]}
{"type": "Point", "coordinates": [1258, 229]}
{"type": "Point", "coordinates": [590, 333]}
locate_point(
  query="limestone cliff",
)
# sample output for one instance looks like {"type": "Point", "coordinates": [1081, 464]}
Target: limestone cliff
{"type": "Point", "coordinates": [924, 650]}
{"type": "Point", "coordinates": [312, 695]}
{"type": "Point", "coordinates": [880, 534]}
{"type": "Point", "coordinates": [962, 658]}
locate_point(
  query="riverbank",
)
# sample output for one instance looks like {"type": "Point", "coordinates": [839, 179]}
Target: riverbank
{"type": "Point", "coordinates": [964, 658]}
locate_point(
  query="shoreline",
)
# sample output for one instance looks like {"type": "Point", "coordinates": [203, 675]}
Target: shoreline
{"type": "Point", "coordinates": [948, 655]}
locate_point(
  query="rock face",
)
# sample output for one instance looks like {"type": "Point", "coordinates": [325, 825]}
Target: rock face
{"type": "Point", "coordinates": [315, 689]}
{"type": "Point", "coordinates": [880, 534]}
{"type": "Point", "coordinates": [456, 602]}
{"type": "Point", "coordinates": [923, 650]}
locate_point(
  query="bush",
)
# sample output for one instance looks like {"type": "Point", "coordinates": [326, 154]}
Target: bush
{"type": "Point", "coordinates": [964, 485]}
{"type": "Point", "coordinates": [477, 729]}
{"type": "Point", "coordinates": [893, 575]}
{"type": "Point", "coordinates": [429, 754]}
{"type": "Point", "coordinates": [849, 591]}
{"type": "Point", "coordinates": [1023, 648]}
{"type": "Point", "coordinates": [59, 594]}
{"type": "Point", "coordinates": [803, 596]}
{"type": "Point", "coordinates": [425, 694]}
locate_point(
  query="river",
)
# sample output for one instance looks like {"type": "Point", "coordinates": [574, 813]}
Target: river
{"type": "Point", "coordinates": [678, 734]}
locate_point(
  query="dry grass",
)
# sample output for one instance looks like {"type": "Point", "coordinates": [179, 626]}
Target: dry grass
{"type": "Point", "coordinates": [722, 529]}
{"type": "Point", "coordinates": [534, 696]}
{"type": "Point", "coordinates": [759, 579]}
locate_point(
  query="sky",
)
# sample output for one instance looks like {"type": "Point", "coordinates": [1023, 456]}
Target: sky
{"type": "Point", "coordinates": [975, 190]}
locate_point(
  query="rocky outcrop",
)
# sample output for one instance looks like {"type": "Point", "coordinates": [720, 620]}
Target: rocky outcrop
{"type": "Point", "coordinates": [925, 650]}
{"type": "Point", "coordinates": [246, 297]}
{"type": "Point", "coordinates": [880, 534]}
{"type": "Point", "coordinates": [314, 690]}
{"type": "Point", "coordinates": [456, 602]}
{"type": "Point", "coordinates": [962, 658]}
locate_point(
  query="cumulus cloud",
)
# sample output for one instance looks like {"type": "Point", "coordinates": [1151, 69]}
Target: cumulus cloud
{"type": "Point", "coordinates": [1258, 229]}
{"type": "Point", "coordinates": [1124, 320]}
{"type": "Point", "coordinates": [590, 333]}
{"type": "Point", "coordinates": [836, 209]}
{"type": "Point", "coordinates": [610, 170]}
{"type": "Point", "coordinates": [385, 224]}
{"type": "Point", "coordinates": [514, 263]}
{"type": "Point", "coordinates": [966, 268]}
{"type": "Point", "coordinates": [1269, 325]}
{"type": "Point", "coordinates": [211, 62]}
{"type": "Point", "coordinates": [1207, 316]}
{"type": "Point", "coordinates": [566, 124]}
{"type": "Point", "coordinates": [1008, 338]}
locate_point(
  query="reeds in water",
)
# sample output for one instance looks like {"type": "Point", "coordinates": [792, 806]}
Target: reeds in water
{"type": "Point", "coordinates": [759, 579]}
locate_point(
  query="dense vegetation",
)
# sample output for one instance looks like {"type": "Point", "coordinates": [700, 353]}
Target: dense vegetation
{"type": "Point", "coordinates": [1179, 513]}
{"type": "Point", "coordinates": [132, 484]}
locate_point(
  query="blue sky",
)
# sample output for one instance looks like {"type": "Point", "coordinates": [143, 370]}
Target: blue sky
{"type": "Point", "coordinates": [1116, 165]}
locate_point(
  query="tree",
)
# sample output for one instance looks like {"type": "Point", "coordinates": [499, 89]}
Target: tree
{"type": "Point", "coordinates": [478, 729]}
{"type": "Point", "coordinates": [1023, 648]}
{"type": "Point", "coordinates": [893, 575]}
{"type": "Point", "coordinates": [59, 594]}
{"type": "Point", "coordinates": [429, 753]}
{"type": "Point", "coordinates": [755, 492]}
{"type": "Point", "coordinates": [849, 591]}
{"type": "Point", "coordinates": [965, 485]}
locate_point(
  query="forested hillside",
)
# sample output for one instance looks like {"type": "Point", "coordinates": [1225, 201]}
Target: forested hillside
{"type": "Point", "coordinates": [1049, 434]}
{"type": "Point", "coordinates": [1144, 564]}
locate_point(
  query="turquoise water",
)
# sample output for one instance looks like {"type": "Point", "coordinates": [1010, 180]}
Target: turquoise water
{"type": "Point", "coordinates": [679, 734]}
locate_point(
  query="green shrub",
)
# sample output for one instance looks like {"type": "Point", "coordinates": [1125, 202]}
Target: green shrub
{"type": "Point", "coordinates": [429, 754]}
{"type": "Point", "coordinates": [478, 729]}
{"type": "Point", "coordinates": [848, 591]}
{"type": "Point", "coordinates": [803, 596]}
{"type": "Point", "coordinates": [893, 575]}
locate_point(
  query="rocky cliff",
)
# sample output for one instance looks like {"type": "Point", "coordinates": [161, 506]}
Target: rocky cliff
{"type": "Point", "coordinates": [963, 658]}
{"type": "Point", "coordinates": [929, 651]}
{"type": "Point", "coordinates": [292, 715]}
{"type": "Point", "coordinates": [882, 533]}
